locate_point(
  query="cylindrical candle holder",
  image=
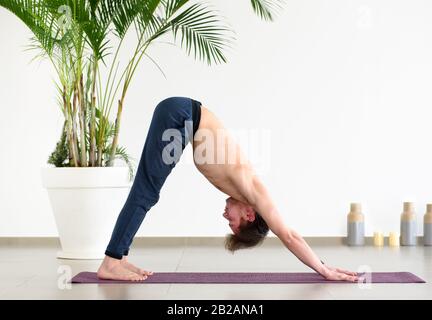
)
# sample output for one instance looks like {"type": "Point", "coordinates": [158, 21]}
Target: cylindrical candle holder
{"type": "Point", "coordinates": [378, 239]}
{"type": "Point", "coordinates": [393, 239]}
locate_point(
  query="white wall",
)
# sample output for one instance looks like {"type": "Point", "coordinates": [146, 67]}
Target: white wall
{"type": "Point", "coordinates": [343, 86]}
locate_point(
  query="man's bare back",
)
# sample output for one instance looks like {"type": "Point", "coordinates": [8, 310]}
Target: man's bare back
{"type": "Point", "coordinates": [219, 158]}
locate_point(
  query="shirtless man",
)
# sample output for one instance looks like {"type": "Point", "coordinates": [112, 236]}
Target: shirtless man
{"type": "Point", "coordinates": [249, 208]}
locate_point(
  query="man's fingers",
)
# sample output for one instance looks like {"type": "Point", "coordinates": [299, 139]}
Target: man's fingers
{"type": "Point", "coordinates": [343, 276]}
{"type": "Point", "coordinates": [347, 272]}
{"type": "Point", "coordinates": [346, 277]}
{"type": "Point", "coordinates": [351, 278]}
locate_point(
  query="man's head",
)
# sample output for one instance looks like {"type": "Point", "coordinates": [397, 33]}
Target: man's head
{"type": "Point", "coordinates": [248, 226]}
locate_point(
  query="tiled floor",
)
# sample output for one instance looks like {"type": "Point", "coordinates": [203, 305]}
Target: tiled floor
{"type": "Point", "coordinates": [33, 272]}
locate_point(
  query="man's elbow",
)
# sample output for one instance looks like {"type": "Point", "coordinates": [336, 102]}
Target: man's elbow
{"type": "Point", "coordinates": [289, 236]}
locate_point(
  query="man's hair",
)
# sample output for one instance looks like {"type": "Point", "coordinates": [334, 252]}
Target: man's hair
{"type": "Point", "coordinates": [250, 235]}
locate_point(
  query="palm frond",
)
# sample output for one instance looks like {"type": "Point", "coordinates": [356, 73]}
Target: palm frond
{"type": "Point", "coordinates": [266, 9]}
{"type": "Point", "coordinates": [148, 21]}
{"type": "Point", "coordinates": [96, 27]}
{"type": "Point", "coordinates": [124, 13]}
{"type": "Point", "coordinates": [202, 33]}
{"type": "Point", "coordinates": [38, 18]}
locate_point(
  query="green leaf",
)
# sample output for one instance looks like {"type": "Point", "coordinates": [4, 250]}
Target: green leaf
{"type": "Point", "coordinates": [38, 18]}
{"type": "Point", "coordinates": [266, 9]}
{"type": "Point", "coordinates": [202, 33]}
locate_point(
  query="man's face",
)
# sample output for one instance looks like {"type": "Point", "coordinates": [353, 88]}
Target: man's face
{"type": "Point", "coordinates": [238, 214]}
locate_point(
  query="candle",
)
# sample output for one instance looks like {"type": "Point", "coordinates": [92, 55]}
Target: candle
{"type": "Point", "coordinates": [393, 239]}
{"type": "Point", "coordinates": [378, 239]}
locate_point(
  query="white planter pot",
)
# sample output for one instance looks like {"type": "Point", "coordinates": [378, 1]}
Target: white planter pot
{"type": "Point", "coordinates": [86, 203]}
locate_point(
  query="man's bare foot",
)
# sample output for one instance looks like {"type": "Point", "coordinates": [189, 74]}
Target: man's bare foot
{"type": "Point", "coordinates": [113, 269]}
{"type": "Point", "coordinates": [125, 263]}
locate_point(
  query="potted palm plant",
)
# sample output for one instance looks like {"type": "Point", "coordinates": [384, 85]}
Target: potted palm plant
{"type": "Point", "coordinates": [79, 38]}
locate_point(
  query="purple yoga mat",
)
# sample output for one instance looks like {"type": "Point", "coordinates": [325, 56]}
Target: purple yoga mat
{"type": "Point", "coordinates": [247, 277]}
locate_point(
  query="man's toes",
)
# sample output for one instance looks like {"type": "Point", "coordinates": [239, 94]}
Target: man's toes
{"type": "Point", "coordinates": [144, 272]}
{"type": "Point", "coordinates": [140, 278]}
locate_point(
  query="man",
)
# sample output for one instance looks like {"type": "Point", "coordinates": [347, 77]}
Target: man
{"type": "Point", "coordinates": [249, 208]}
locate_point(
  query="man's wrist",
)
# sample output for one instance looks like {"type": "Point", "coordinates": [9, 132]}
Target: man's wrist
{"type": "Point", "coordinates": [323, 270]}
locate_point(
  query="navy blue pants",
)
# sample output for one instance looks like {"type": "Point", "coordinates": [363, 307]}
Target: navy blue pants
{"type": "Point", "coordinates": [173, 126]}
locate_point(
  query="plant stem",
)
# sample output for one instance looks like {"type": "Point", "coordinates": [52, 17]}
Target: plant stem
{"type": "Point", "coordinates": [128, 80]}
{"type": "Point", "coordinates": [110, 73]}
{"type": "Point", "coordinates": [82, 122]}
{"type": "Point", "coordinates": [74, 127]}
{"type": "Point", "coordinates": [116, 133]}
{"type": "Point", "coordinates": [72, 154]}
{"type": "Point", "coordinates": [93, 116]}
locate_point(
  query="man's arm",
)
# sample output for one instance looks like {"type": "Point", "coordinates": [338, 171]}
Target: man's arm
{"type": "Point", "coordinates": [258, 197]}
{"type": "Point", "coordinates": [261, 201]}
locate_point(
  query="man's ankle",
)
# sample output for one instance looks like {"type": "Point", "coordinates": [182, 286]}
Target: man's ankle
{"type": "Point", "coordinates": [111, 261]}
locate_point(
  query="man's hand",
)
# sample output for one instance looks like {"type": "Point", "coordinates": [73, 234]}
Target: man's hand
{"type": "Point", "coordinates": [340, 274]}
